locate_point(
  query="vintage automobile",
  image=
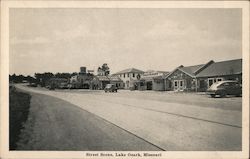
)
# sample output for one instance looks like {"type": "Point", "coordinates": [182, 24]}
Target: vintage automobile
{"type": "Point", "coordinates": [50, 87]}
{"type": "Point", "coordinates": [110, 88]}
{"type": "Point", "coordinates": [63, 85]}
{"type": "Point", "coordinates": [32, 85]}
{"type": "Point", "coordinates": [223, 88]}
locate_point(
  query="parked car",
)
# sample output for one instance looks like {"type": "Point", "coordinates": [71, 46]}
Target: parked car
{"type": "Point", "coordinates": [223, 88]}
{"type": "Point", "coordinates": [32, 85]}
{"type": "Point", "coordinates": [50, 87]}
{"type": "Point", "coordinates": [63, 85]}
{"type": "Point", "coordinates": [110, 88]}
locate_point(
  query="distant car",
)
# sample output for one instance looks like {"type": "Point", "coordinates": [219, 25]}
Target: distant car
{"type": "Point", "coordinates": [223, 88]}
{"type": "Point", "coordinates": [33, 85]}
{"type": "Point", "coordinates": [110, 88]}
{"type": "Point", "coordinates": [50, 87]}
{"type": "Point", "coordinates": [63, 85]}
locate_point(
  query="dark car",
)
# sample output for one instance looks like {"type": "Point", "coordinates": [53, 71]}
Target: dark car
{"type": "Point", "coordinates": [63, 85]}
{"type": "Point", "coordinates": [50, 87]}
{"type": "Point", "coordinates": [110, 88]}
{"type": "Point", "coordinates": [32, 85]}
{"type": "Point", "coordinates": [223, 88]}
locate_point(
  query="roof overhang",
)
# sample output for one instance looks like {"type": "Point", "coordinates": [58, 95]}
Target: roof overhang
{"type": "Point", "coordinates": [181, 71]}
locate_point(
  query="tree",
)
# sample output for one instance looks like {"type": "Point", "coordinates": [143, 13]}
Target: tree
{"type": "Point", "coordinates": [43, 78]}
{"type": "Point", "coordinates": [105, 68]}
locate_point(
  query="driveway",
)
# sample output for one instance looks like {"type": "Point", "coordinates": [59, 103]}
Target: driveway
{"type": "Point", "coordinates": [171, 121]}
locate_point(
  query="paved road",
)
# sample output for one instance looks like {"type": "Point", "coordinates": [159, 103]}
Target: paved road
{"type": "Point", "coordinates": [54, 124]}
{"type": "Point", "coordinates": [183, 122]}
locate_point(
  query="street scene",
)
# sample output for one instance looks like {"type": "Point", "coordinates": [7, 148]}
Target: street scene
{"type": "Point", "coordinates": [126, 79]}
{"type": "Point", "coordinates": [141, 121]}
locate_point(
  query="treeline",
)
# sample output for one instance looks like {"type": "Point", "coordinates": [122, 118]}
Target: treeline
{"type": "Point", "coordinates": [39, 78]}
{"type": "Point", "coordinates": [20, 78]}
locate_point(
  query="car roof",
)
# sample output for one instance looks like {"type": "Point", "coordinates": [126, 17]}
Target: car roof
{"type": "Point", "coordinates": [228, 81]}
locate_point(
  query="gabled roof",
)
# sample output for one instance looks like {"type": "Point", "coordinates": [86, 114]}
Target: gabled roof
{"type": "Point", "coordinates": [222, 68]}
{"type": "Point", "coordinates": [129, 70]}
{"type": "Point", "coordinates": [191, 69]}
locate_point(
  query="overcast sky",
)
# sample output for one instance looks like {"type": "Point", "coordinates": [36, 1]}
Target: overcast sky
{"type": "Point", "coordinates": [62, 40]}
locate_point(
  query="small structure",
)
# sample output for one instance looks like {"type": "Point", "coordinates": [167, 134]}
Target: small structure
{"type": "Point", "coordinates": [152, 80]}
{"type": "Point", "coordinates": [81, 80]}
{"type": "Point", "coordinates": [129, 77]}
{"type": "Point", "coordinates": [201, 77]}
{"type": "Point", "coordinates": [219, 71]}
{"type": "Point", "coordinates": [99, 82]}
{"type": "Point", "coordinates": [116, 80]}
{"type": "Point", "coordinates": [182, 78]}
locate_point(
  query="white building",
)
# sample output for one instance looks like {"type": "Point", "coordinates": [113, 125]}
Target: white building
{"type": "Point", "coordinates": [129, 76]}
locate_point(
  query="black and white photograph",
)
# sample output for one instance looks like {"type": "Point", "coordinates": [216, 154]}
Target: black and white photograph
{"type": "Point", "coordinates": [121, 80]}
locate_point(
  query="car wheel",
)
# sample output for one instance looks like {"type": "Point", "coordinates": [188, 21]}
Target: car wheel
{"type": "Point", "coordinates": [238, 95]}
{"type": "Point", "coordinates": [212, 95]}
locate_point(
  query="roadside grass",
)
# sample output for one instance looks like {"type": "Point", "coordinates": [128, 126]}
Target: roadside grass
{"type": "Point", "coordinates": [19, 104]}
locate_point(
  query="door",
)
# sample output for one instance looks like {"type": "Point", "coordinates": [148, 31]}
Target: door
{"type": "Point", "coordinates": [203, 85]}
{"type": "Point", "coordinates": [178, 85]}
{"type": "Point", "coordinates": [149, 85]}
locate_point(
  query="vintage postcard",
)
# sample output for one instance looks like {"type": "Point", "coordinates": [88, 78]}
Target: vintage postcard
{"type": "Point", "coordinates": [124, 79]}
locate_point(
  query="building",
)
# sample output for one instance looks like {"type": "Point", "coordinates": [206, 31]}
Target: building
{"type": "Point", "coordinates": [152, 80]}
{"type": "Point", "coordinates": [81, 80]}
{"type": "Point", "coordinates": [117, 81]}
{"type": "Point", "coordinates": [183, 78]}
{"type": "Point", "coordinates": [99, 82]}
{"type": "Point", "coordinates": [219, 71]}
{"type": "Point", "coordinates": [200, 77]}
{"type": "Point", "coordinates": [129, 77]}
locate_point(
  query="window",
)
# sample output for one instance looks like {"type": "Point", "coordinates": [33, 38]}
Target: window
{"type": "Point", "coordinates": [128, 74]}
{"type": "Point", "coordinates": [124, 75]}
{"type": "Point", "coordinates": [133, 74]}
{"type": "Point", "coordinates": [127, 83]}
{"type": "Point", "coordinates": [175, 83]}
{"type": "Point", "coordinates": [181, 83]}
{"type": "Point", "coordinates": [210, 81]}
{"type": "Point", "coordinates": [219, 79]}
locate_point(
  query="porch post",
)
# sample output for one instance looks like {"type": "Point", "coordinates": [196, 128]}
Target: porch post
{"type": "Point", "coordinates": [196, 85]}
{"type": "Point", "coordinates": [164, 82]}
